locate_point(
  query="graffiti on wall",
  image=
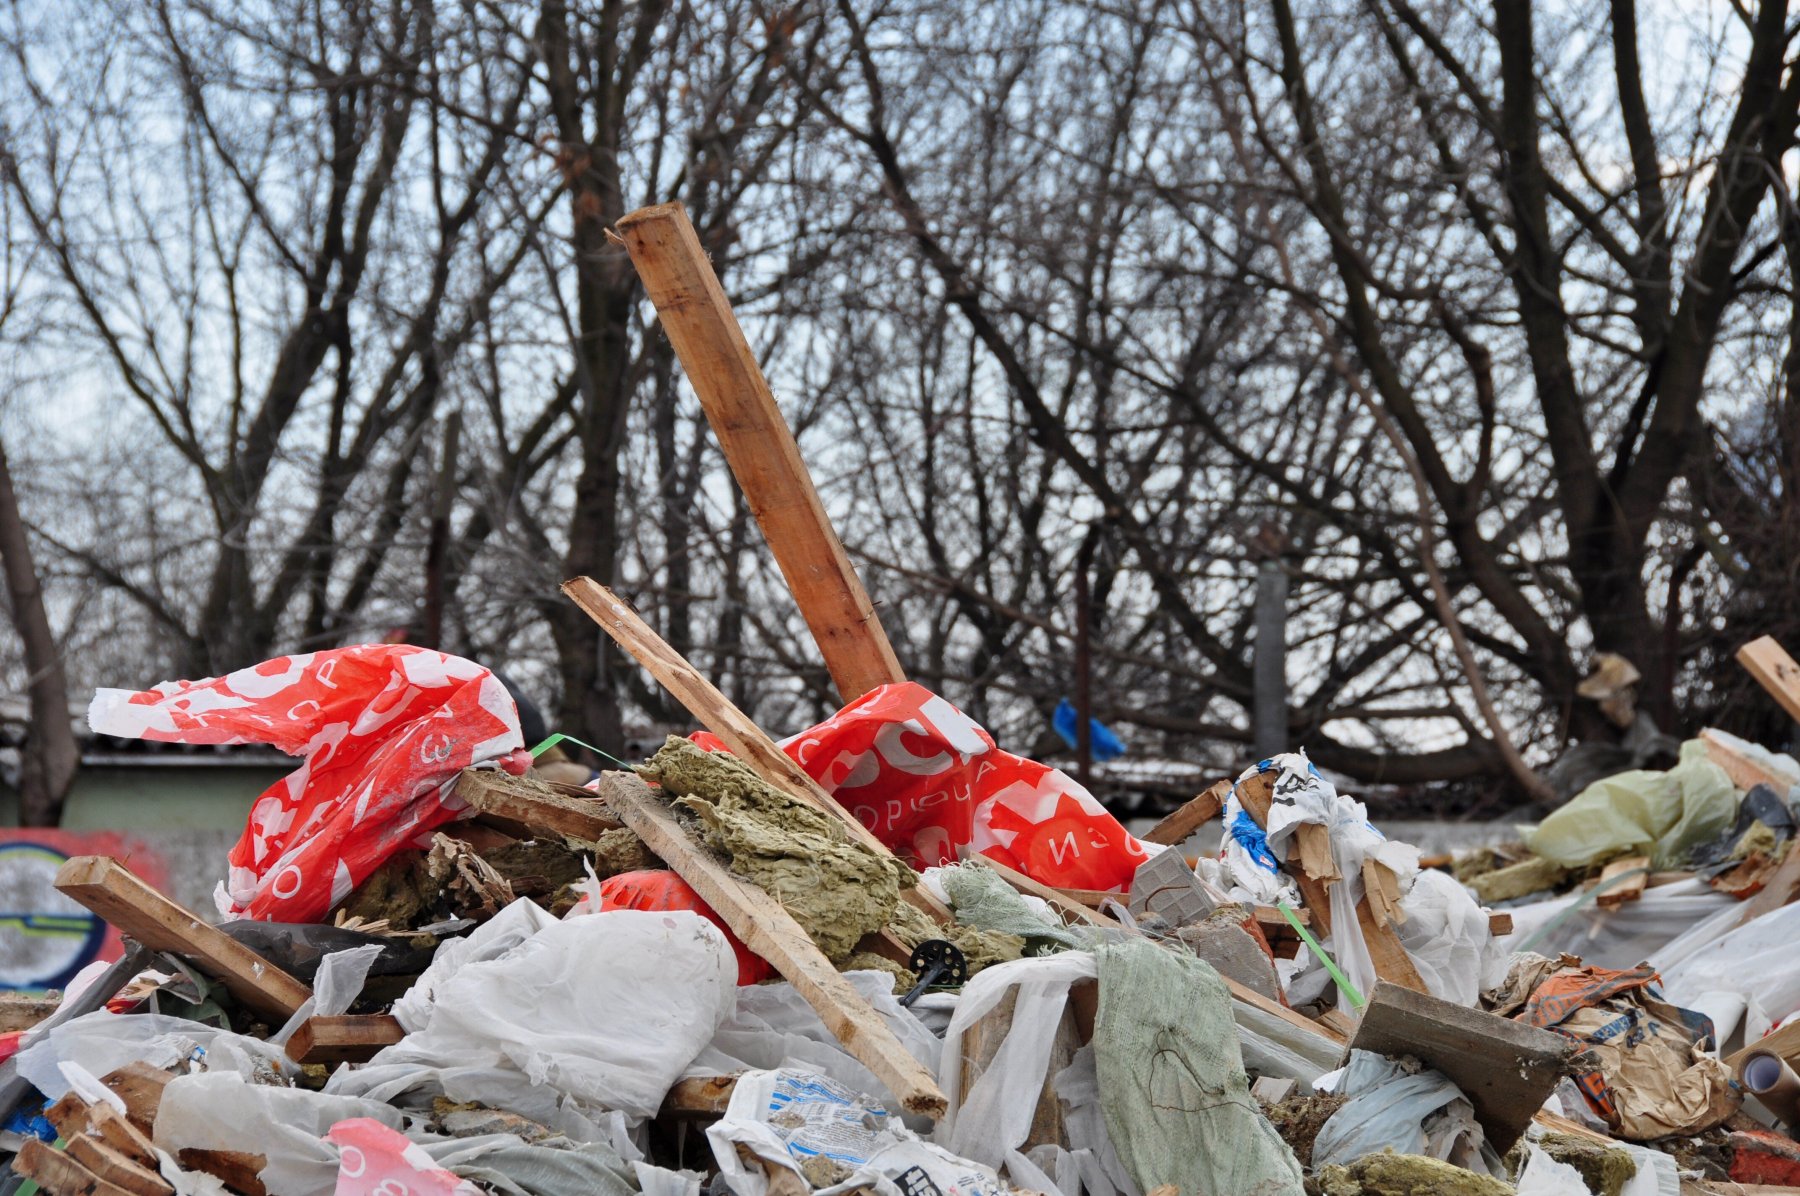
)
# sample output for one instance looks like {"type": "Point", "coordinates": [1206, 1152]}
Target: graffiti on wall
{"type": "Point", "coordinates": [45, 938]}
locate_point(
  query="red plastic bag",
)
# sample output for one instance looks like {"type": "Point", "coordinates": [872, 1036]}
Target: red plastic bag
{"type": "Point", "coordinates": [382, 729]}
{"type": "Point", "coordinates": [928, 780]}
{"type": "Point", "coordinates": [374, 1160]}
{"type": "Point", "coordinates": [659, 889]}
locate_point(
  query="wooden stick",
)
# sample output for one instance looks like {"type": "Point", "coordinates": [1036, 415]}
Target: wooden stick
{"type": "Point", "coordinates": [768, 930]}
{"type": "Point", "coordinates": [1177, 827]}
{"type": "Point", "coordinates": [717, 714]}
{"type": "Point", "coordinates": [346, 1038]}
{"type": "Point", "coordinates": [108, 888]}
{"type": "Point", "coordinates": [120, 1134]}
{"type": "Point", "coordinates": [1629, 890]}
{"type": "Point", "coordinates": [759, 446]}
{"type": "Point", "coordinates": [1774, 670]}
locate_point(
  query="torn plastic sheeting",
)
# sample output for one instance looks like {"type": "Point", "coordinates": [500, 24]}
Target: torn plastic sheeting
{"type": "Point", "coordinates": [928, 780]}
{"type": "Point", "coordinates": [102, 1042]}
{"type": "Point", "coordinates": [382, 730]}
{"type": "Point", "coordinates": [500, 934]}
{"type": "Point", "coordinates": [1090, 1163]}
{"type": "Point", "coordinates": [1421, 1113]}
{"type": "Point", "coordinates": [375, 1160]}
{"type": "Point", "coordinates": [506, 1164]}
{"type": "Point", "coordinates": [1626, 934]}
{"type": "Point", "coordinates": [1172, 1083]}
{"type": "Point", "coordinates": [1446, 935]}
{"type": "Point", "coordinates": [1756, 960]}
{"type": "Point", "coordinates": [990, 1121]}
{"type": "Point", "coordinates": [771, 1026]}
{"type": "Point", "coordinates": [287, 1126]}
{"type": "Point", "coordinates": [336, 985]}
{"type": "Point", "coordinates": [832, 1140]}
{"type": "Point", "coordinates": [1272, 1046]}
{"type": "Point", "coordinates": [605, 1009]}
{"type": "Point", "coordinates": [1664, 814]}
{"type": "Point", "coordinates": [1544, 1176]}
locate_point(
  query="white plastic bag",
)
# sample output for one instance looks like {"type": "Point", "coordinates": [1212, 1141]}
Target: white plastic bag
{"type": "Point", "coordinates": [1446, 934]}
{"type": "Point", "coordinates": [830, 1139]}
{"type": "Point", "coordinates": [1756, 960]}
{"type": "Point", "coordinates": [604, 1010]}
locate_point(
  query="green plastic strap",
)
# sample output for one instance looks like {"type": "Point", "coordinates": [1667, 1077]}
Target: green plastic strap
{"type": "Point", "coordinates": [1343, 981]}
{"type": "Point", "coordinates": [559, 737]}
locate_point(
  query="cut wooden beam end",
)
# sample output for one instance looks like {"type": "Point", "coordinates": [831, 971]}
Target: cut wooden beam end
{"type": "Point", "coordinates": [345, 1038]}
{"type": "Point", "coordinates": [1179, 826]}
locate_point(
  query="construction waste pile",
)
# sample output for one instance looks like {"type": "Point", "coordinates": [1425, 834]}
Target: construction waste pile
{"type": "Point", "coordinates": [887, 958]}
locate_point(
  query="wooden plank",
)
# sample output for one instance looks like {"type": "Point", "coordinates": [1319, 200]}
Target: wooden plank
{"type": "Point", "coordinates": [1745, 773]}
{"type": "Point", "coordinates": [534, 807]}
{"type": "Point", "coordinates": [759, 447]}
{"type": "Point", "coordinates": [717, 714]}
{"type": "Point", "coordinates": [1505, 1068]}
{"type": "Point", "coordinates": [114, 1168]}
{"type": "Point", "coordinates": [1071, 911]}
{"type": "Point", "coordinates": [56, 1174]}
{"type": "Point", "coordinates": [70, 1115]}
{"type": "Point", "coordinates": [1774, 670]}
{"type": "Point", "coordinates": [109, 889]}
{"type": "Point", "coordinates": [1623, 890]}
{"type": "Point", "coordinates": [1783, 1041]}
{"type": "Point", "coordinates": [1340, 1022]}
{"type": "Point", "coordinates": [345, 1038]}
{"type": "Point", "coordinates": [768, 930]}
{"type": "Point", "coordinates": [140, 1086]}
{"type": "Point", "coordinates": [1383, 890]}
{"type": "Point", "coordinates": [1179, 826]}
{"type": "Point", "coordinates": [120, 1134]}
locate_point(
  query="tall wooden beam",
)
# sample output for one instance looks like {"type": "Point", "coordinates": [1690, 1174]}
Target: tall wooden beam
{"type": "Point", "coordinates": [759, 446]}
{"type": "Point", "coordinates": [718, 714]}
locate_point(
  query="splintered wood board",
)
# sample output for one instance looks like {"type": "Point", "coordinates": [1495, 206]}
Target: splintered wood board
{"type": "Point", "coordinates": [534, 807]}
{"type": "Point", "coordinates": [759, 446]}
{"type": "Point", "coordinates": [1505, 1068]}
{"type": "Point", "coordinates": [702, 699]}
{"type": "Point", "coordinates": [109, 889]}
{"type": "Point", "coordinates": [345, 1038]}
{"type": "Point", "coordinates": [769, 931]}
{"type": "Point", "coordinates": [1178, 826]}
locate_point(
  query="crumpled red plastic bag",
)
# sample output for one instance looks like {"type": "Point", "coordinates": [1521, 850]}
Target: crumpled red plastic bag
{"type": "Point", "coordinates": [927, 780]}
{"type": "Point", "coordinates": [374, 1160]}
{"type": "Point", "coordinates": [659, 889]}
{"type": "Point", "coordinates": [382, 730]}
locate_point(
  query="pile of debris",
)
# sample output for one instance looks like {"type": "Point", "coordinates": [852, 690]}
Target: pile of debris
{"type": "Point", "coordinates": [887, 957]}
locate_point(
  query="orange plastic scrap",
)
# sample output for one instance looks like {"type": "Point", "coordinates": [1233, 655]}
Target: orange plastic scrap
{"type": "Point", "coordinates": [1563, 993]}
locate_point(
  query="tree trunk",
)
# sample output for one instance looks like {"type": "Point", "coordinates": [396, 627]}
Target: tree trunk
{"type": "Point", "coordinates": [50, 756]}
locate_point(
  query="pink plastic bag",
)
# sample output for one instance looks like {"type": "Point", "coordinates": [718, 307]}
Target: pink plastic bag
{"type": "Point", "coordinates": [928, 780]}
{"type": "Point", "coordinates": [377, 1161]}
{"type": "Point", "coordinates": [382, 729]}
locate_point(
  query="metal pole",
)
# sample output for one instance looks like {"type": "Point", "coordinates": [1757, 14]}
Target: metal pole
{"type": "Point", "coordinates": [1268, 724]}
{"type": "Point", "coordinates": [1084, 692]}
